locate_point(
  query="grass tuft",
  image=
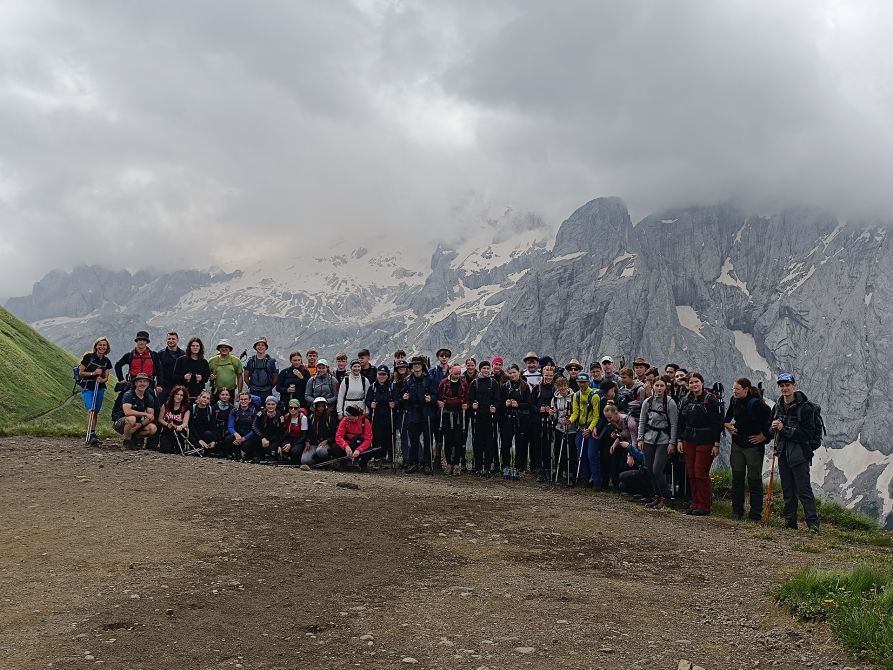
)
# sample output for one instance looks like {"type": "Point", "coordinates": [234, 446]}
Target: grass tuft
{"type": "Point", "coordinates": [858, 605]}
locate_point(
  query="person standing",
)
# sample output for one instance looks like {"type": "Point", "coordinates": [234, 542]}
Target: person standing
{"type": "Point", "coordinates": [340, 371]}
{"type": "Point", "coordinates": [140, 359]}
{"type": "Point", "coordinates": [93, 371]}
{"type": "Point", "coordinates": [381, 402]}
{"type": "Point", "coordinates": [312, 358]}
{"type": "Point", "coordinates": [226, 371]}
{"type": "Point", "coordinates": [700, 426]}
{"type": "Point", "coordinates": [640, 367]}
{"type": "Point", "coordinates": [657, 436]}
{"type": "Point", "coordinates": [418, 397]}
{"type": "Point", "coordinates": [797, 428]}
{"type": "Point", "coordinates": [192, 370]}
{"type": "Point", "coordinates": [560, 411]}
{"type": "Point", "coordinates": [368, 370]}
{"type": "Point", "coordinates": [322, 384]}
{"type": "Point", "coordinates": [292, 382]}
{"type": "Point", "coordinates": [352, 390]}
{"type": "Point", "coordinates": [585, 413]}
{"type": "Point", "coordinates": [747, 421]}
{"type": "Point", "coordinates": [483, 397]}
{"type": "Point", "coordinates": [452, 399]}
{"type": "Point", "coordinates": [261, 372]}
{"type": "Point", "coordinates": [167, 359]}
{"type": "Point", "coordinates": [541, 397]}
{"type": "Point", "coordinates": [573, 368]}
{"type": "Point", "coordinates": [608, 371]}
{"type": "Point", "coordinates": [516, 426]}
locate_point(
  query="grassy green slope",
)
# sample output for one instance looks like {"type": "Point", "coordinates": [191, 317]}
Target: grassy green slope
{"type": "Point", "coordinates": [36, 384]}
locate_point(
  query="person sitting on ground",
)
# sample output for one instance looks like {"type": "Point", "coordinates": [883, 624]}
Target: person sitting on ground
{"type": "Point", "coordinates": [269, 431]}
{"type": "Point", "coordinates": [261, 372]}
{"type": "Point", "coordinates": [322, 385]}
{"type": "Point", "coordinates": [94, 374]}
{"type": "Point", "coordinates": [320, 433]}
{"type": "Point", "coordinates": [635, 480]}
{"type": "Point", "coordinates": [174, 421]}
{"type": "Point", "coordinates": [222, 409]}
{"type": "Point", "coordinates": [292, 382]}
{"type": "Point", "coordinates": [797, 427]}
{"type": "Point", "coordinates": [138, 408]}
{"type": "Point", "coordinates": [354, 437]}
{"type": "Point", "coordinates": [295, 422]}
{"type": "Point", "coordinates": [700, 426]}
{"type": "Point", "coordinates": [352, 390]}
{"type": "Point", "coordinates": [340, 371]}
{"type": "Point", "coordinates": [203, 424]}
{"type": "Point", "coordinates": [240, 430]}
{"type": "Point", "coordinates": [226, 370]}
{"type": "Point", "coordinates": [192, 370]}
{"type": "Point", "coordinates": [747, 421]}
{"type": "Point", "coordinates": [657, 437]}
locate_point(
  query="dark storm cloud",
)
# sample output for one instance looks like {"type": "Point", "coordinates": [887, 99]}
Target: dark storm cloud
{"type": "Point", "coordinates": [174, 134]}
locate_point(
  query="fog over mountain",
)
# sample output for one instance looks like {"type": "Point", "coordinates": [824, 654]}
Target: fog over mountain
{"type": "Point", "coordinates": [183, 135]}
{"type": "Point", "coordinates": [714, 288]}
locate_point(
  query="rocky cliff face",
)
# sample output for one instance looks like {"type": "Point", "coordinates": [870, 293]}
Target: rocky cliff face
{"type": "Point", "coordinates": [709, 287]}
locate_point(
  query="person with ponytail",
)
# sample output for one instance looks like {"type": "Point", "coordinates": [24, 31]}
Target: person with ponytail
{"type": "Point", "coordinates": [700, 427]}
{"type": "Point", "coordinates": [747, 421]}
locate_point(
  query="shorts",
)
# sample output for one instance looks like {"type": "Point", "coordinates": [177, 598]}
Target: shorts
{"type": "Point", "coordinates": [119, 425]}
{"type": "Point", "coordinates": [87, 397]}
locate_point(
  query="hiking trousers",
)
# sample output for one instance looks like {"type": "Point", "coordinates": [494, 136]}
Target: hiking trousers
{"type": "Point", "coordinates": [747, 464]}
{"type": "Point", "coordinates": [483, 441]}
{"type": "Point", "coordinates": [611, 464]}
{"type": "Point", "coordinates": [453, 436]}
{"type": "Point", "coordinates": [698, 459]}
{"type": "Point", "coordinates": [419, 443]}
{"type": "Point", "coordinates": [588, 459]}
{"type": "Point", "coordinates": [518, 428]}
{"type": "Point", "coordinates": [795, 485]}
{"type": "Point", "coordinates": [655, 462]}
{"type": "Point", "coordinates": [382, 434]}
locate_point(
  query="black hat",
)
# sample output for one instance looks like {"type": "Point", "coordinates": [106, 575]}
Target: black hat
{"type": "Point", "coordinates": [142, 335]}
{"type": "Point", "coordinates": [417, 359]}
{"type": "Point", "coordinates": [353, 410]}
{"type": "Point", "coordinates": [401, 364]}
{"type": "Point", "coordinates": [383, 369]}
{"type": "Point", "coordinates": [448, 353]}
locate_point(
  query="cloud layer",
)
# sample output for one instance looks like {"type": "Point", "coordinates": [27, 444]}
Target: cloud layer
{"type": "Point", "coordinates": [189, 134]}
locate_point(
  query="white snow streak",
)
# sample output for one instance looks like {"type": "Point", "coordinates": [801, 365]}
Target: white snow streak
{"type": "Point", "coordinates": [745, 344]}
{"type": "Point", "coordinates": [688, 318]}
{"type": "Point", "coordinates": [567, 257]}
{"type": "Point", "coordinates": [853, 460]}
{"type": "Point", "coordinates": [725, 277]}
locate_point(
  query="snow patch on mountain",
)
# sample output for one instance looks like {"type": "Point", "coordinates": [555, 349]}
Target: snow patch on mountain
{"type": "Point", "coordinates": [854, 460]}
{"type": "Point", "coordinates": [725, 277]}
{"type": "Point", "coordinates": [747, 346]}
{"type": "Point", "coordinates": [689, 319]}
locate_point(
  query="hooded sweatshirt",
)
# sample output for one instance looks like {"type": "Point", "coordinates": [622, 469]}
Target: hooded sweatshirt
{"type": "Point", "coordinates": [352, 392]}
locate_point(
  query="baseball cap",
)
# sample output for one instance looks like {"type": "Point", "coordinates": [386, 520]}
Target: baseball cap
{"type": "Point", "coordinates": [383, 370]}
{"type": "Point", "coordinates": [582, 377]}
{"type": "Point", "coordinates": [785, 377]}
{"type": "Point", "coordinates": [320, 399]}
{"type": "Point", "coordinates": [294, 402]}
{"type": "Point", "coordinates": [606, 359]}
{"type": "Point", "coordinates": [322, 362]}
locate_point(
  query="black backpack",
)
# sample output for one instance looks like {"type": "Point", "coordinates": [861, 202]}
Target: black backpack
{"type": "Point", "coordinates": [818, 432]}
{"type": "Point", "coordinates": [265, 373]}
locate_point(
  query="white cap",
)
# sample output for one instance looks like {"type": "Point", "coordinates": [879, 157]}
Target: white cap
{"type": "Point", "coordinates": [322, 361]}
{"type": "Point", "coordinates": [320, 399]}
{"type": "Point", "coordinates": [606, 359]}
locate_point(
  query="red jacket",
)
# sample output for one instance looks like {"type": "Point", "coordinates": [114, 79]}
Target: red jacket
{"type": "Point", "coordinates": [352, 429]}
{"type": "Point", "coordinates": [451, 402]}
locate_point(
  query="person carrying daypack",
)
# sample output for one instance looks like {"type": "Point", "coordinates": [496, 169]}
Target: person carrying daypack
{"type": "Point", "coordinates": [261, 372]}
{"type": "Point", "coordinates": [91, 375]}
{"type": "Point", "coordinates": [798, 430]}
{"type": "Point", "coordinates": [419, 396]}
{"type": "Point", "coordinates": [352, 390]}
{"type": "Point", "coordinates": [381, 402]}
{"type": "Point", "coordinates": [585, 412]}
{"type": "Point", "coordinates": [747, 421]}
{"type": "Point", "coordinates": [452, 399]}
{"type": "Point", "coordinates": [700, 426]}
{"type": "Point", "coordinates": [658, 432]}
{"type": "Point", "coordinates": [483, 398]}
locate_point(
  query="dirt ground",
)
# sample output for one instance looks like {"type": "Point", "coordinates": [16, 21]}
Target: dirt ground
{"type": "Point", "coordinates": [139, 560]}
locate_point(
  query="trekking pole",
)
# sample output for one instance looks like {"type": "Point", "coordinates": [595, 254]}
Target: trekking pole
{"type": "Point", "coordinates": [580, 459]}
{"type": "Point", "coordinates": [91, 415]}
{"type": "Point", "coordinates": [430, 447]}
{"type": "Point", "coordinates": [560, 453]}
{"type": "Point", "coordinates": [393, 443]}
{"type": "Point", "coordinates": [767, 508]}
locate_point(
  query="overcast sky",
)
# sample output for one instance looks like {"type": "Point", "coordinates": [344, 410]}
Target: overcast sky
{"type": "Point", "coordinates": [182, 133]}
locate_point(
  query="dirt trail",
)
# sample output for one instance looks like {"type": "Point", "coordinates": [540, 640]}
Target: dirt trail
{"type": "Point", "coordinates": [137, 560]}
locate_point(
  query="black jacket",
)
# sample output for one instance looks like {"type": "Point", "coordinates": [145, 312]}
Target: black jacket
{"type": "Point", "coordinates": [168, 360]}
{"type": "Point", "coordinates": [419, 411]}
{"type": "Point", "coordinates": [793, 441]}
{"type": "Point", "coordinates": [382, 395]}
{"type": "Point", "coordinates": [518, 391]}
{"type": "Point", "coordinates": [485, 392]}
{"type": "Point", "coordinates": [751, 416]}
{"type": "Point", "coordinates": [287, 377]}
{"type": "Point", "coordinates": [699, 419]}
{"type": "Point", "coordinates": [192, 366]}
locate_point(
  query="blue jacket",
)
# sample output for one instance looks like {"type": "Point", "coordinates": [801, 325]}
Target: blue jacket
{"type": "Point", "coordinates": [418, 411]}
{"type": "Point", "coordinates": [246, 415]}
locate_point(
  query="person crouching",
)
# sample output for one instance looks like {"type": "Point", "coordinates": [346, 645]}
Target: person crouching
{"type": "Point", "coordinates": [354, 437]}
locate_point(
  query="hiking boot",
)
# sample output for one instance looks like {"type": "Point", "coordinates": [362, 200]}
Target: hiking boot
{"type": "Point", "coordinates": [93, 440]}
{"type": "Point", "coordinates": [411, 467]}
{"type": "Point", "coordinates": [506, 473]}
{"type": "Point", "coordinates": [127, 444]}
{"type": "Point", "coordinates": [541, 476]}
{"type": "Point", "coordinates": [813, 528]}
{"type": "Point", "coordinates": [652, 503]}
{"type": "Point", "coordinates": [138, 443]}
{"type": "Point", "coordinates": [660, 503]}
{"type": "Point", "coordinates": [791, 524]}
{"type": "Point", "coordinates": [427, 470]}
{"type": "Point", "coordinates": [699, 512]}
{"type": "Point", "coordinates": [515, 474]}
{"type": "Point", "coordinates": [457, 470]}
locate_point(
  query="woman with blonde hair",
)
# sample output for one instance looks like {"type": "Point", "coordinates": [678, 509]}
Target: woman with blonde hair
{"type": "Point", "coordinates": [93, 372]}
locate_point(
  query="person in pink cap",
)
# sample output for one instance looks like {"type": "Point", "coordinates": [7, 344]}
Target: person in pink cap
{"type": "Point", "coordinates": [498, 373]}
{"type": "Point", "coordinates": [452, 399]}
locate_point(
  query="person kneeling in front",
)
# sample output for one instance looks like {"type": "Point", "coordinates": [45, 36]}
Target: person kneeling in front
{"type": "Point", "coordinates": [138, 406]}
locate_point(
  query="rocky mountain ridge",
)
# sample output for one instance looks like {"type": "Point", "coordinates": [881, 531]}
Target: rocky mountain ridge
{"type": "Point", "coordinates": [713, 288]}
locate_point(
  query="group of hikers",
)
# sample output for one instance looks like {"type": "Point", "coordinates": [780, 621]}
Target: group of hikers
{"type": "Point", "coordinates": [649, 433]}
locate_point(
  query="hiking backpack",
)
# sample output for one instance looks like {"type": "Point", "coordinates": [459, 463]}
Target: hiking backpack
{"type": "Point", "coordinates": [268, 370]}
{"type": "Point", "coordinates": [818, 432]}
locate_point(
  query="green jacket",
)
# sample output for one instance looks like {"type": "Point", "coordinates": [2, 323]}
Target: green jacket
{"type": "Point", "coordinates": [585, 410]}
{"type": "Point", "coordinates": [228, 371]}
